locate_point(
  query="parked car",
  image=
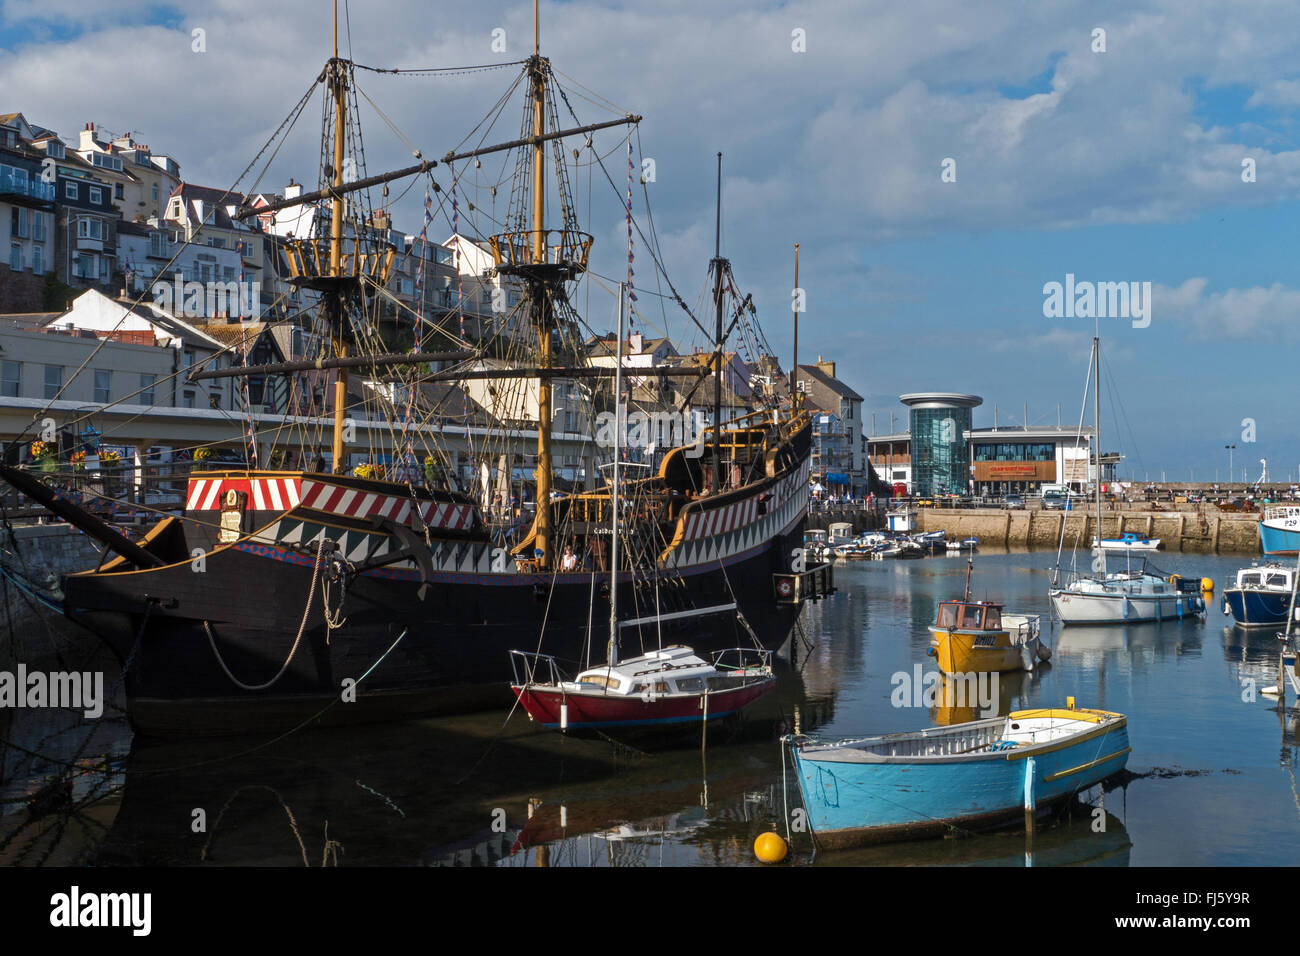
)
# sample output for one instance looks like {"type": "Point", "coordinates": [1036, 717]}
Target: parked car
{"type": "Point", "coordinates": [1055, 501]}
{"type": "Point", "coordinates": [1014, 502]}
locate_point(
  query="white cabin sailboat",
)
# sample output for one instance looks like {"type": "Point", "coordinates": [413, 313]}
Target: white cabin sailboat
{"type": "Point", "coordinates": [1116, 597]}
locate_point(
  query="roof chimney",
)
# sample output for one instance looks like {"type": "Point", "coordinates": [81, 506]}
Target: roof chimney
{"type": "Point", "coordinates": [636, 341]}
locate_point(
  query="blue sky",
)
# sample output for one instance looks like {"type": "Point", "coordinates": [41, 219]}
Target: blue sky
{"type": "Point", "coordinates": [1122, 165]}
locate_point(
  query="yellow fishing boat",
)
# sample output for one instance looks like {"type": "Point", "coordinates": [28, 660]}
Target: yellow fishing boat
{"type": "Point", "coordinates": [977, 636]}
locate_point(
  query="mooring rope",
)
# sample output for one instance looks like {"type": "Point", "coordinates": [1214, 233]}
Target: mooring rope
{"type": "Point", "coordinates": [302, 627]}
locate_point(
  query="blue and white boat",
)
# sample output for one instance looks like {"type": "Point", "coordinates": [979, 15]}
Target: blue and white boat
{"type": "Point", "coordinates": [1128, 541]}
{"type": "Point", "coordinates": [1260, 596]}
{"type": "Point", "coordinates": [1279, 531]}
{"type": "Point", "coordinates": [968, 776]}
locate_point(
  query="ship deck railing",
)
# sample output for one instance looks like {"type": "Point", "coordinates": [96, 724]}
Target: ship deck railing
{"type": "Point", "coordinates": [532, 668]}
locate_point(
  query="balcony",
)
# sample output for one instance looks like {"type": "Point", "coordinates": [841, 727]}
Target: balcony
{"type": "Point", "coordinates": [13, 185]}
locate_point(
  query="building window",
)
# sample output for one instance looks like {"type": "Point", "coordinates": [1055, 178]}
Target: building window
{"type": "Point", "coordinates": [155, 192]}
{"type": "Point", "coordinates": [104, 274]}
{"type": "Point", "coordinates": [38, 226]}
{"type": "Point", "coordinates": [96, 196]}
{"type": "Point", "coordinates": [11, 379]}
{"type": "Point", "coordinates": [90, 229]}
{"type": "Point", "coordinates": [55, 150]}
{"type": "Point", "coordinates": [147, 381]}
{"type": "Point", "coordinates": [86, 268]}
{"type": "Point", "coordinates": [70, 190]}
{"type": "Point", "coordinates": [216, 242]}
{"type": "Point", "coordinates": [18, 226]}
{"type": "Point", "coordinates": [103, 379]}
{"type": "Point", "coordinates": [53, 380]}
{"type": "Point", "coordinates": [38, 260]}
{"type": "Point", "coordinates": [117, 191]}
{"type": "Point", "coordinates": [15, 257]}
{"type": "Point", "coordinates": [188, 399]}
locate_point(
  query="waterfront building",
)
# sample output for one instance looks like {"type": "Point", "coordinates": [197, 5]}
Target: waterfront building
{"type": "Point", "coordinates": [27, 241]}
{"type": "Point", "coordinates": [839, 453]}
{"type": "Point", "coordinates": [941, 452]}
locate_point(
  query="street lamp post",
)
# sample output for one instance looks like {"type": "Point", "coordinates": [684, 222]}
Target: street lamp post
{"type": "Point", "coordinates": [1230, 448]}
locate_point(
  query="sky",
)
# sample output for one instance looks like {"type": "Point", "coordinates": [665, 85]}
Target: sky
{"type": "Point", "coordinates": [939, 164]}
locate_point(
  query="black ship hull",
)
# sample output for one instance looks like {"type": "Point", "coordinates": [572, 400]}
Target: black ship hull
{"type": "Point", "coordinates": [188, 638]}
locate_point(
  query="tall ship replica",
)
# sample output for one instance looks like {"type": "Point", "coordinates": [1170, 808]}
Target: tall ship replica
{"type": "Point", "coordinates": [331, 594]}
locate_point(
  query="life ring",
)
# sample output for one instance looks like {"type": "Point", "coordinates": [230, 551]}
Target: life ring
{"type": "Point", "coordinates": [785, 587]}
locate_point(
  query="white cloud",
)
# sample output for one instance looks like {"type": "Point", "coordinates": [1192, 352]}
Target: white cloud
{"type": "Point", "coordinates": [1233, 315]}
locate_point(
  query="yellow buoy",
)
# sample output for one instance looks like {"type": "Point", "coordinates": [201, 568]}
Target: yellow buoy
{"type": "Point", "coordinates": [1207, 584]}
{"type": "Point", "coordinates": [770, 848]}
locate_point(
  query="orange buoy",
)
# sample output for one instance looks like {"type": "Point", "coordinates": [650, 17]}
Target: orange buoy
{"type": "Point", "coordinates": [770, 848]}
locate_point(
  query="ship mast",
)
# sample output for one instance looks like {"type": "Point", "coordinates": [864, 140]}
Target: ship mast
{"type": "Point", "coordinates": [541, 304]}
{"type": "Point", "coordinates": [794, 365]}
{"type": "Point", "coordinates": [718, 266]}
{"type": "Point", "coordinates": [338, 86]}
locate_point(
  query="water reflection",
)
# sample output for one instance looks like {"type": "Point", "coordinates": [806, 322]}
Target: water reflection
{"type": "Point", "coordinates": [483, 790]}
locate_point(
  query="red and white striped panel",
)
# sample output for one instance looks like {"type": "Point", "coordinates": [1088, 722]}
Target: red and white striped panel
{"type": "Point", "coordinates": [706, 524]}
{"type": "Point", "coordinates": [264, 494]}
{"type": "Point", "coordinates": [358, 503]}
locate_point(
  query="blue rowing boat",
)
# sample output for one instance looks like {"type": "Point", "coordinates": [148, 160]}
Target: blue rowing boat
{"type": "Point", "coordinates": [970, 776]}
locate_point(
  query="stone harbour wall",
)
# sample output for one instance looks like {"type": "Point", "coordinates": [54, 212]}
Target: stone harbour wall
{"type": "Point", "coordinates": [1177, 531]}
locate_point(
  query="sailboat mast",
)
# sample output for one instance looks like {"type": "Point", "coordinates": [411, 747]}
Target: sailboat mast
{"type": "Point", "coordinates": [1096, 428]}
{"type": "Point", "coordinates": [336, 248]}
{"type": "Point", "coordinates": [612, 657]}
{"type": "Point", "coordinates": [542, 306]}
{"type": "Point", "coordinates": [794, 366]}
{"type": "Point", "coordinates": [717, 338]}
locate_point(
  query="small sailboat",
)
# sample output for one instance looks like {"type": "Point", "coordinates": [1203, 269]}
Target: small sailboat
{"type": "Point", "coordinates": [662, 688]}
{"type": "Point", "coordinates": [1128, 596]}
{"type": "Point", "coordinates": [971, 637]}
{"type": "Point", "coordinates": [969, 776]}
{"type": "Point", "coordinates": [1128, 541]}
{"type": "Point", "coordinates": [670, 686]}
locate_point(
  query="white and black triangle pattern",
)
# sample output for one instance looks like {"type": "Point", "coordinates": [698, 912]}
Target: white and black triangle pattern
{"type": "Point", "coordinates": [789, 500]}
{"type": "Point", "coordinates": [353, 545]}
{"type": "Point", "coordinates": [448, 556]}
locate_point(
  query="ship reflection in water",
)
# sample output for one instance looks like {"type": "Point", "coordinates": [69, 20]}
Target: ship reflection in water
{"type": "Point", "coordinates": [1214, 767]}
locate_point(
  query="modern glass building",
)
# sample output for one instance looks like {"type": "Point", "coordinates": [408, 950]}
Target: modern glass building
{"type": "Point", "coordinates": [940, 422]}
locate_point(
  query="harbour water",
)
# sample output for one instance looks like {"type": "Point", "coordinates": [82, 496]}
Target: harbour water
{"type": "Point", "coordinates": [1214, 762]}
